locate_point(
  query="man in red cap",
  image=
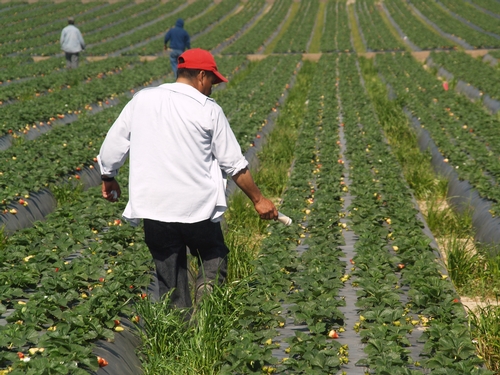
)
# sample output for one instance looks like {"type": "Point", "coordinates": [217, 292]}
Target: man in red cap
{"type": "Point", "coordinates": [181, 146]}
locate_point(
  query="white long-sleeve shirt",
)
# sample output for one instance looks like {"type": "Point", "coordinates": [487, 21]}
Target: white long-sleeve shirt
{"type": "Point", "coordinates": [178, 141]}
{"type": "Point", "coordinates": [72, 39]}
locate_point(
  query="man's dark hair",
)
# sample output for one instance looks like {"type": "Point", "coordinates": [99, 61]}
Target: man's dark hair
{"type": "Point", "coordinates": [192, 73]}
{"type": "Point", "coordinates": [71, 21]}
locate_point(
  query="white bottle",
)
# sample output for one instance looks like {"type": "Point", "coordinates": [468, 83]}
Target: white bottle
{"type": "Point", "coordinates": [284, 219]}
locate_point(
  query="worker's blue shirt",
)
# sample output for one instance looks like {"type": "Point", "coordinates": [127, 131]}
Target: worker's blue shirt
{"type": "Point", "coordinates": [178, 37]}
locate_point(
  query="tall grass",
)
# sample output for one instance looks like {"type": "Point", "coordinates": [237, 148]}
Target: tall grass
{"type": "Point", "coordinates": [486, 331]}
{"type": "Point", "coordinates": [172, 345]}
{"type": "Point", "coordinates": [444, 221]}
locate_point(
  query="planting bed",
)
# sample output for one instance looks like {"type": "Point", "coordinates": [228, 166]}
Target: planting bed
{"type": "Point", "coordinates": [357, 231]}
{"type": "Point", "coordinates": [473, 77]}
{"type": "Point", "coordinates": [377, 35]}
{"type": "Point", "coordinates": [354, 286]}
{"type": "Point", "coordinates": [463, 133]}
{"type": "Point", "coordinates": [414, 29]}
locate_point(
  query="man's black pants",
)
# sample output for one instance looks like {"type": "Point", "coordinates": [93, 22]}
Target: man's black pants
{"type": "Point", "coordinates": [167, 243]}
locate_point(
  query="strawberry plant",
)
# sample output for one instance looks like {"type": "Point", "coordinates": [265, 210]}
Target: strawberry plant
{"type": "Point", "coordinates": [447, 23]}
{"type": "Point", "coordinates": [383, 215]}
{"type": "Point", "coordinates": [251, 43]}
{"type": "Point", "coordinates": [463, 132]}
{"type": "Point", "coordinates": [336, 35]}
{"type": "Point", "coordinates": [414, 28]}
{"type": "Point", "coordinates": [84, 282]}
{"type": "Point", "coordinates": [377, 35]}
{"type": "Point", "coordinates": [473, 15]}
{"type": "Point", "coordinates": [470, 70]}
{"type": "Point", "coordinates": [229, 26]}
{"type": "Point", "coordinates": [20, 116]}
{"type": "Point", "coordinates": [146, 26]}
{"type": "Point", "coordinates": [298, 40]}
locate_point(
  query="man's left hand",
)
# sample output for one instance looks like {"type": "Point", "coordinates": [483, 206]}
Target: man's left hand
{"type": "Point", "coordinates": [111, 190]}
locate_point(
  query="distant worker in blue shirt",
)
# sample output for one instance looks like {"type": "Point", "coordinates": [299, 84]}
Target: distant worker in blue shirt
{"type": "Point", "coordinates": [179, 42]}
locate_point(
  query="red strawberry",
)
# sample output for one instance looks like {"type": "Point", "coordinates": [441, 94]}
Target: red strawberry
{"type": "Point", "coordinates": [333, 334]}
{"type": "Point", "coordinates": [102, 362]}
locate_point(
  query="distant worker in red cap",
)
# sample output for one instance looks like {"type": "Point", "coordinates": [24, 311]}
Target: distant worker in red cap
{"type": "Point", "coordinates": [72, 43]}
{"type": "Point", "coordinates": [181, 146]}
{"type": "Point", "coordinates": [179, 42]}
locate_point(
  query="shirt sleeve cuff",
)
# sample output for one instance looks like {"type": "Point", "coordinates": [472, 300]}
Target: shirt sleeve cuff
{"type": "Point", "coordinates": [104, 170]}
{"type": "Point", "coordinates": [242, 164]}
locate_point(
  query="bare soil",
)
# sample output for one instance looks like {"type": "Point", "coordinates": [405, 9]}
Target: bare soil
{"type": "Point", "coordinates": [311, 56]}
{"type": "Point", "coordinates": [96, 58]}
{"type": "Point", "coordinates": [40, 58]}
{"type": "Point", "coordinates": [256, 57]}
{"type": "Point", "coordinates": [473, 304]}
{"type": "Point", "coordinates": [477, 52]}
{"type": "Point", "coordinates": [148, 58]}
{"type": "Point", "coordinates": [421, 56]}
{"type": "Point", "coordinates": [368, 55]}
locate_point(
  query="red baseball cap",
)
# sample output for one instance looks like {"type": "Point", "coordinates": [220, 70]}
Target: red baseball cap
{"type": "Point", "coordinates": [198, 58]}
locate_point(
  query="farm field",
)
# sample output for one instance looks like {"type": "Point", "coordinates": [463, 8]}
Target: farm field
{"type": "Point", "coordinates": [374, 125]}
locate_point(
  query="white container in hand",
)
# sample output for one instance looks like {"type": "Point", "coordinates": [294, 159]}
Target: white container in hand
{"type": "Point", "coordinates": [284, 219]}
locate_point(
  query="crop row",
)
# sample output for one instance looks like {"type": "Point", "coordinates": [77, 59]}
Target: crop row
{"type": "Point", "coordinates": [143, 24]}
{"type": "Point", "coordinates": [465, 134]}
{"type": "Point", "coordinates": [252, 40]}
{"type": "Point", "coordinates": [89, 269]}
{"type": "Point", "coordinates": [12, 62]}
{"type": "Point", "coordinates": [195, 26]}
{"type": "Point", "coordinates": [402, 289]}
{"type": "Point", "coordinates": [230, 26]}
{"type": "Point", "coordinates": [142, 27]}
{"type": "Point", "coordinates": [111, 18]}
{"type": "Point", "coordinates": [114, 34]}
{"type": "Point", "coordinates": [416, 31]}
{"type": "Point", "coordinates": [67, 282]}
{"type": "Point", "coordinates": [14, 19]}
{"type": "Point", "coordinates": [31, 88]}
{"type": "Point", "coordinates": [377, 34]}
{"type": "Point", "coordinates": [490, 5]}
{"type": "Point", "coordinates": [20, 68]}
{"type": "Point", "coordinates": [474, 16]}
{"type": "Point", "coordinates": [39, 27]}
{"type": "Point", "coordinates": [247, 102]}
{"type": "Point", "coordinates": [470, 70]}
{"type": "Point", "coordinates": [292, 318]}
{"type": "Point", "coordinates": [293, 299]}
{"type": "Point", "coordinates": [450, 25]}
{"type": "Point", "coordinates": [344, 35]}
{"type": "Point", "coordinates": [336, 34]}
{"type": "Point", "coordinates": [68, 149]}
{"type": "Point", "coordinates": [27, 113]}
{"type": "Point", "coordinates": [48, 43]}
{"type": "Point", "coordinates": [297, 40]}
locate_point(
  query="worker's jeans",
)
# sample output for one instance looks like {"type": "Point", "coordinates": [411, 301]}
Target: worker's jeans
{"type": "Point", "coordinates": [167, 243]}
{"type": "Point", "coordinates": [72, 60]}
{"type": "Point", "coordinates": [174, 55]}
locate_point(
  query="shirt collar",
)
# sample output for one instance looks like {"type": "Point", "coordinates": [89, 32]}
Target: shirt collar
{"type": "Point", "coordinates": [187, 90]}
